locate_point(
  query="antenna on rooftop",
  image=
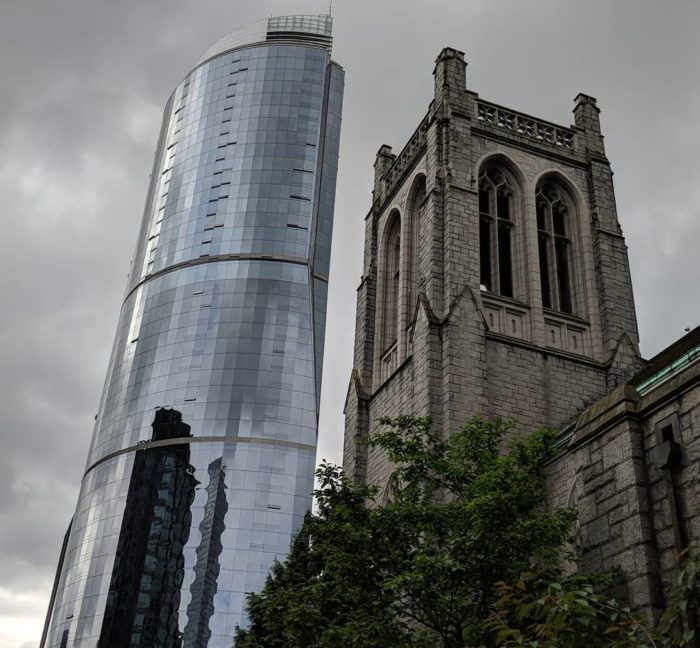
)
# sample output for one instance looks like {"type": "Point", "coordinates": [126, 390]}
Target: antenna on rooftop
{"type": "Point", "coordinates": [330, 9]}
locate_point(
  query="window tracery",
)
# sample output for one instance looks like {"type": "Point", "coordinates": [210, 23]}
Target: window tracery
{"type": "Point", "coordinates": [392, 281]}
{"type": "Point", "coordinates": [417, 207]}
{"type": "Point", "coordinates": [496, 225]}
{"type": "Point", "coordinates": [554, 229]}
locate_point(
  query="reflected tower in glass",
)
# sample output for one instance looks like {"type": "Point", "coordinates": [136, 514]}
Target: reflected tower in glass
{"type": "Point", "coordinates": [201, 465]}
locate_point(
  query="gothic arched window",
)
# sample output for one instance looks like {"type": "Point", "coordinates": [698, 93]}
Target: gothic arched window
{"type": "Point", "coordinates": [417, 206]}
{"type": "Point", "coordinates": [392, 279]}
{"type": "Point", "coordinates": [496, 223]}
{"type": "Point", "coordinates": [554, 236]}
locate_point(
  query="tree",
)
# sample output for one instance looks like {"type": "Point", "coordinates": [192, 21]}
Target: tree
{"type": "Point", "coordinates": [329, 591]}
{"type": "Point", "coordinates": [550, 609]}
{"type": "Point", "coordinates": [420, 570]}
{"type": "Point", "coordinates": [462, 555]}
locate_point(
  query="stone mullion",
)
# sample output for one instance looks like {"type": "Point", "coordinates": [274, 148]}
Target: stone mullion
{"type": "Point", "coordinates": [493, 226]}
{"type": "Point", "coordinates": [552, 253]}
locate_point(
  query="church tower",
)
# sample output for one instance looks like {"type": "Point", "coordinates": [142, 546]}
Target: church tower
{"type": "Point", "coordinates": [495, 279]}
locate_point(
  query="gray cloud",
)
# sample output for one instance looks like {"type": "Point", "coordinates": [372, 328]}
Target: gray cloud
{"type": "Point", "coordinates": [83, 86]}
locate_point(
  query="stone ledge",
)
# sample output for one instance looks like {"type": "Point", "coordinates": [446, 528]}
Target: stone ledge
{"type": "Point", "coordinates": [621, 403]}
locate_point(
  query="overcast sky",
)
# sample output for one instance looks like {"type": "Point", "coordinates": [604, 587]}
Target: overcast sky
{"type": "Point", "coordinates": [82, 87]}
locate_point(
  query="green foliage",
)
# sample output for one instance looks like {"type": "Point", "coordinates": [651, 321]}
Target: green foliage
{"type": "Point", "coordinates": [552, 610]}
{"type": "Point", "coordinates": [462, 554]}
{"type": "Point", "coordinates": [420, 570]}
{"type": "Point", "coordinates": [327, 592]}
{"type": "Point", "coordinates": [548, 610]}
{"type": "Point", "coordinates": [467, 515]}
{"type": "Point", "coordinates": [678, 624]}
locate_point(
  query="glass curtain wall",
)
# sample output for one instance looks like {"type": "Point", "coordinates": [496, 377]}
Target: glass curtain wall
{"type": "Point", "coordinates": [201, 464]}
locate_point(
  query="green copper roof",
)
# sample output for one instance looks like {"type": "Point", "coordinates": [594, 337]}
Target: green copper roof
{"type": "Point", "coordinates": [669, 370]}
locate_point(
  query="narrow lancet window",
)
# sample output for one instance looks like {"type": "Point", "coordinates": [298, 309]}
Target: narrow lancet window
{"type": "Point", "coordinates": [553, 234]}
{"type": "Point", "coordinates": [495, 232]}
{"type": "Point", "coordinates": [392, 282]}
{"type": "Point", "coordinates": [416, 216]}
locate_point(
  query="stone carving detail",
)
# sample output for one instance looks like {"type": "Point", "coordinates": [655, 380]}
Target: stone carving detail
{"type": "Point", "coordinates": [408, 155]}
{"type": "Point", "coordinates": [389, 362]}
{"type": "Point", "coordinates": [524, 125]}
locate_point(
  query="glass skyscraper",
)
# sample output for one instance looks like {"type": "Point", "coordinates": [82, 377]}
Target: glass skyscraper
{"type": "Point", "coordinates": [201, 464]}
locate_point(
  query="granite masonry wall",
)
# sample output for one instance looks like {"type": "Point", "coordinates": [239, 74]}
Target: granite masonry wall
{"type": "Point", "coordinates": [460, 350]}
{"type": "Point", "coordinates": [624, 500]}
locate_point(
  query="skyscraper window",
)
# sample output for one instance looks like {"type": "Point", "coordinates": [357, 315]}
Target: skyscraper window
{"type": "Point", "coordinates": [201, 465]}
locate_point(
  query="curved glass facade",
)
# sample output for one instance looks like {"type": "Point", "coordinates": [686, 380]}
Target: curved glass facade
{"type": "Point", "coordinates": [201, 464]}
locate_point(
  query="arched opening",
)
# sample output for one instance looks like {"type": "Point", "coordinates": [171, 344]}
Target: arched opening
{"type": "Point", "coordinates": [555, 236]}
{"type": "Point", "coordinates": [392, 281]}
{"type": "Point", "coordinates": [497, 225]}
{"type": "Point", "coordinates": [416, 207]}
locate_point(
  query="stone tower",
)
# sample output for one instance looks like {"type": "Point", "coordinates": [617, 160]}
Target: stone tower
{"type": "Point", "coordinates": [495, 280]}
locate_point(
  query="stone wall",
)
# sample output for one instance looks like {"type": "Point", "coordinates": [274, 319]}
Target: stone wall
{"type": "Point", "coordinates": [539, 389]}
{"type": "Point", "coordinates": [678, 397]}
{"type": "Point", "coordinates": [463, 351]}
{"type": "Point", "coordinates": [623, 499]}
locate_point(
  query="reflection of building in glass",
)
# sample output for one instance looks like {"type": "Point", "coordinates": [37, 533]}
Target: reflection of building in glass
{"type": "Point", "coordinates": [223, 321]}
{"type": "Point", "coordinates": [144, 593]}
{"type": "Point", "coordinates": [203, 588]}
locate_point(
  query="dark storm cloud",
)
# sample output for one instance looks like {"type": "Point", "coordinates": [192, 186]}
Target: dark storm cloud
{"type": "Point", "coordinates": [82, 87]}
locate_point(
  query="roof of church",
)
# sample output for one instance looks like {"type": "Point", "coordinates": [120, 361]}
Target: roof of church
{"type": "Point", "coordinates": [668, 362]}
